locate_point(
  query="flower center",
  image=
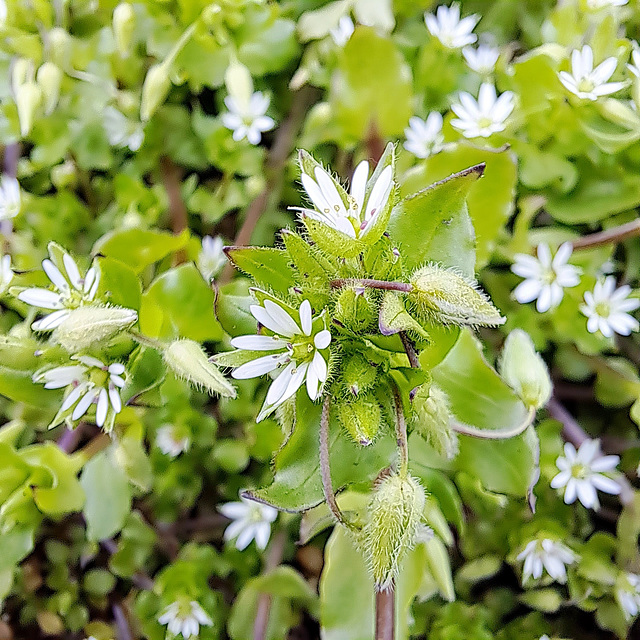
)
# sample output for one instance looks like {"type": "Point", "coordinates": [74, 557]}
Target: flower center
{"type": "Point", "coordinates": [579, 471]}
{"type": "Point", "coordinates": [603, 309]}
{"type": "Point", "coordinates": [302, 349]}
{"type": "Point", "coordinates": [99, 377]}
{"type": "Point", "coordinates": [585, 85]}
{"type": "Point", "coordinates": [549, 276]}
{"type": "Point", "coordinates": [485, 122]}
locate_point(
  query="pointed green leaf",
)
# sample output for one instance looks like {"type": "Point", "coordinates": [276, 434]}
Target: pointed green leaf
{"type": "Point", "coordinates": [269, 267]}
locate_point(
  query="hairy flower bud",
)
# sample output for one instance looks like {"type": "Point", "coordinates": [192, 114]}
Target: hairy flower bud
{"type": "Point", "coordinates": [442, 295]}
{"type": "Point", "coordinates": [524, 370]}
{"type": "Point", "coordinates": [90, 325]}
{"type": "Point", "coordinates": [431, 418]}
{"type": "Point", "coordinates": [124, 24]}
{"type": "Point", "coordinates": [355, 309]}
{"type": "Point", "coordinates": [49, 79]}
{"type": "Point", "coordinates": [358, 374]}
{"type": "Point", "coordinates": [395, 514]}
{"type": "Point", "coordinates": [187, 360]}
{"type": "Point", "coordinates": [361, 418]}
{"type": "Point", "coordinates": [154, 90]}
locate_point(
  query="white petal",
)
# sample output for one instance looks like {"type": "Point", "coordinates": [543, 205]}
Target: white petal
{"type": "Point", "coordinates": [330, 191]}
{"type": "Point", "coordinates": [605, 484]}
{"type": "Point", "coordinates": [103, 406]}
{"type": "Point", "coordinates": [380, 193]}
{"type": "Point", "coordinates": [72, 271]}
{"type": "Point", "coordinates": [287, 325]}
{"type": "Point", "coordinates": [262, 534]}
{"type": "Point", "coordinates": [259, 366]}
{"type": "Point", "coordinates": [322, 339]}
{"type": "Point", "coordinates": [73, 397]}
{"type": "Point", "coordinates": [51, 321]}
{"type": "Point", "coordinates": [258, 343]}
{"type": "Point", "coordinates": [53, 273]}
{"type": "Point", "coordinates": [359, 183]}
{"type": "Point", "coordinates": [84, 404]}
{"type": "Point", "coordinates": [42, 298]}
{"type": "Point", "coordinates": [114, 396]}
{"type": "Point", "coordinates": [305, 317]}
{"type": "Point", "coordinates": [527, 291]}
{"type": "Point", "coordinates": [279, 386]}
{"type": "Point", "coordinates": [116, 368]}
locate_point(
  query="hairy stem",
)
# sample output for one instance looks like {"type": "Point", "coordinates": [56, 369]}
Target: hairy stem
{"type": "Point", "coordinates": [401, 432]}
{"type": "Point", "coordinates": [274, 558]}
{"type": "Point", "coordinates": [613, 235]}
{"type": "Point", "coordinates": [495, 434]}
{"type": "Point", "coordinates": [410, 350]}
{"type": "Point", "coordinates": [145, 340]}
{"type": "Point", "coordinates": [385, 614]}
{"type": "Point", "coordinates": [403, 287]}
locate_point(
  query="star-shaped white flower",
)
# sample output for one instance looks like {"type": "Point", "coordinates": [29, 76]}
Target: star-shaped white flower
{"type": "Point", "coordinates": [581, 473]}
{"type": "Point", "coordinates": [541, 554]}
{"type": "Point", "coordinates": [247, 119]}
{"type": "Point", "coordinates": [586, 82]}
{"type": "Point", "coordinates": [9, 198]}
{"type": "Point", "coordinates": [88, 382]}
{"type": "Point", "coordinates": [6, 273]}
{"type": "Point", "coordinates": [482, 117]}
{"type": "Point", "coordinates": [628, 595]}
{"type": "Point", "coordinates": [184, 617]}
{"type": "Point", "coordinates": [353, 213]}
{"type": "Point", "coordinates": [634, 66]}
{"type": "Point", "coordinates": [481, 60]}
{"type": "Point", "coordinates": [251, 521]}
{"type": "Point", "coordinates": [546, 276]}
{"type": "Point", "coordinates": [170, 442]}
{"type": "Point", "coordinates": [424, 137]}
{"type": "Point", "coordinates": [446, 25]}
{"type": "Point", "coordinates": [121, 131]}
{"type": "Point", "coordinates": [211, 258]}
{"type": "Point", "coordinates": [295, 351]}
{"type": "Point", "coordinates": [341, 33]}
{"type": "Point", "coordinates": [607, 309]}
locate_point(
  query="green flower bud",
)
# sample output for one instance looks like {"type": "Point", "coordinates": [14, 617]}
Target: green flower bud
{"type": "Point", "coordinates": [355, 309]}
{"type": "Point", "coordinates": [60, 45]}
{"type": "Point", "coordinates": [91, 325]}
{"type": "Point", "coordinates": [49, 79]}
{"type": "Point", "coordinates": [21, 72]}
{"type": "Point", "coordinates": [395, 514]}
{"type": "Point", "coordinates": [239, 82]}
{"type": "Point", "coordinates": [442, 295]}
{"type": "Point", "coordinates": [28, 99]}
{"type": "Point", "coordinates": [154, 90]}
{"type": "Point", "coordinates": [188, 361]}
{"type": "Point", "coordinates": [360, 418]}
{"type": "Point", "coordinates": [431, 418]}
{"type": "Point", "coordinates": [358, 374]}
{"type": "Point", "coordinates": [124, 24]}
{"type": "Point", "coordinates": [524, 370]}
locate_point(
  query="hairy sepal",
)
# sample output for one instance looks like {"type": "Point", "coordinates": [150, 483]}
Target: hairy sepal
{"type": "Point", "coordinates": [360, 417]}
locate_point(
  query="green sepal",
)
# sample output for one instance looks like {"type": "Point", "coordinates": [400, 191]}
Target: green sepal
{"type": "Point", "coordinates": [267, 266]}
{"type": "Point", "coordinates": [394, 317]}
{"type": "Point", "coordinates": [382, 261]}
{"type": "Point", "coordinates": [334, 242]}
{"type": "Point", "coordinates": [360, 417]}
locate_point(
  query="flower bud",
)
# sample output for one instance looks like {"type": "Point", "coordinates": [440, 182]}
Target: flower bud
{"type": "Point", "coordinates": [355, 309]}
{"type": "Point", "coordinates": [91, 325]}
{"type": "Point", "coordinates": [358, 374]}
{"type": "Point", "coordinates": [124, 24]}
{"type": "Point", "coordinates": [524, 370]}
{"type": "Point", "coordinates": [154, 90]}
{"type": "Point", "coordinates": [188, 361]}
{"type": "Point", "coordinates": [21, 72]}
{"type": "Point", "coordinates": [60, 45]}
{"type": "Point", "coordinates": [442, 295]}
{"type": "Point", "coordinates": [431, 418]}
{"type": "Point", "coordinates": [395, 514]}
{"type": "Point", "coordinates": [49, 79]}
{"type": "Point", "coordinates": [360, 418]}
{"type": "Point", "coordinates": [239, 82]}
{"type": "Point", "coordinates": [28, 99]}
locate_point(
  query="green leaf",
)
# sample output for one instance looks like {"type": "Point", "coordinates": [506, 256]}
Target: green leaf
{"type": "Point", "coordinates": [269, 267]}
{"type": "Point", "coordinates": [119, 284]}
{"type": "Point", "coordinates": [394, 317]}
{"type": "Point", "coordinates": [16, 544]}
{"type": "Point", "coordinates": [232, 304]}
{"type": "Point", "coordinates": [19, 387]}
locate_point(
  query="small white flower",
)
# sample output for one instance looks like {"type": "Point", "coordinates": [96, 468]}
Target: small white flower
{"type": "Point", "coordinates": [294, 351]}
{"type": "Point", "coordinates": [184, 617]}
{"type": "Point", "coordinates": [89, 382]}
{"type": "Point", "coordinates": [601, 4]}
{"type": "Point", "coordinates": [6, 273]}
{"type": "Point", "coordinates": [481, 60]}
{"type": "Point", "coordinates": [9, 198]}
{"type": "Point", "coordinates": [586, 82]}
{"type": "Point", "coordinates": [424, 137]}
{"type": "Point", "coordinates": [342, 32]}
{"type": "Point", "coordinates": [635, 66]}
{"type": "Point", "coordinates": [121, 131]}
{"type": "Point", "coordinates": [171, 443]}
{"type": "Point", "coordinates": [484, 116]}
{"type": "Point", "coordinates": [446, 25]}
{"type": "Point", "coordinates": [71, 290]}
{"type": "Point", "coordinates": [628, 595]}
{"type": "Point", "coordinates": [607, 309]}
{"type": "Point", "coordinates": [3, 12]}
{"type": "Point", "coordinates": [211, 258]}
{"type": "Point", "coordinates": [545, 276]}
{"type": "Point", "coordinates": [581, 473]}
{"type": "Point", "coordinates": [547, 554]}
{"type": "Point", "coordinates": [248, 119]}
{"type": "Point", "coordinates": [353, 214]}
{"type": "Point", "coordinates": [251, 521]}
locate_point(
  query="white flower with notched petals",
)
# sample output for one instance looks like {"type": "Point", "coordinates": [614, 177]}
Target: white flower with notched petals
{"type": "Point", "coordinates": [601, 4]}
{"type": "Point", "coordinates": [628, 595]}
{"type": "Point", "coordinates": [452, 32]}
{"type": "Point", "coordinates": [9, 198]}
{"type": "Point", "coordinates": [341, 33]}
{"type": "Point", "coordinates": [581, 473]}
{"type": "Point", "coordinates": [481, 60]}
{"type": "Point", "coordinates": [546, 276]}
{"type": "Point", "coordinates": [88, 382]}
{"type": "Point", "coordinates": [251, 521]}
{"type": "Point", "coordinates": [353, 213]}
{"type": "Point", "coordinates": [295, 351]}
{"type": "Point", "coordinates": [211, 258]}
{"type": "Point", "coordinates": [607, 309]}
{"type": "Point", "coordinates": [121, 131]}
{"type": "Point", "coordinates": [247, 119]}
{"type": "Point", "coordinates": [6, 273]}
{"type": "Point", "coordinates": [424, 137]}
{"type": "Point", "coordinates": [586, 82]}
{"type": "Point", "coordinates": [634, 66]}
{"type": "Point", "coordinates": [547, 554]}
{"type": "Point", "coordinates": [485, 116]}
{"type": "Point", "coordinates": [184, 617]}
{"type": "Point", "coordinates": [71, 290]}
{"type": "Point", "coordinates": [170, 442]}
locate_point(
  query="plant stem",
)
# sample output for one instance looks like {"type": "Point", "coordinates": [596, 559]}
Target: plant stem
{"type": "Point", "coordinates": [401, 432]}
{"type": "Point", "coordinates": [274, 558]}
{"type": "Point", "coordinates": [403, 287]}
{"type": "Point", "coordinates": [410, 350]}
{"type": "Point", "coordinates": [70, 438]}
{"type": "Point", "coordinates": [122, 624]}
{"type": "Point", "coordinates": [495, 434]}
{"type": "Point", "coordinates": [385, 613]}
{"type": "Point", "coordinates": [146, 340]}
{"type": "Point", "coordinates": [615, 234]}
{"type": "Point", "coordinates": [172, 177]}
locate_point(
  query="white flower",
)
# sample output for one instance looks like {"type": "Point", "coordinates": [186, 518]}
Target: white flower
{"type": "Point", "coordinates": [3, 11]}
{"type": "Point", "coordinates": [424, 137]}
{"type": "Point", "coordinates": [6, 273]}
{"type": "Point", "coordinates": [211, 258]}
{"type": "Point", "coordinates": [481, 60]}
{"type": "Point", "coordinates": [248, 119]}
{"type": "Point", "coordinates": [342, 32]}
{"type": "Point", "coordinates": [251, 521]}
{"type": "Point", "coordinates": [546, 554]}
{"type": "Point", "coordinates": [545, 276]}
{"type": "Point", "coordinates": [581, 473]}
{"type": "Point", "coordinates": [353, 214]}
{"type": "Point", "coordinates": [71, 290]}
{"type": "Point", "coordinates": [484, 116]}
{"type": "Point", "coordinates": [586, 82]}
{"type": "Point", "coordinates": [446, 25]}
{"type": "Point", "coordinates": [171, 443]}
{"type": "Point", "coordinates": [121, 131]}
{"type": "Point", "coordinates": [628, 595]}
{"type": "Point", "coordinates": [9, 198]}
{"type": "Point", "coordinates": [184, 617]}
{"type": "Point", "coordinates": [607, 309]}
{"type": "Point", "coordinates": [89, 382]}
{"type": "Point", "coordinates": [294, 351]}
{"type": "Point", "coordinates": [635, 67]}
{"type": "Point", "coordinates": [601, 4]}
